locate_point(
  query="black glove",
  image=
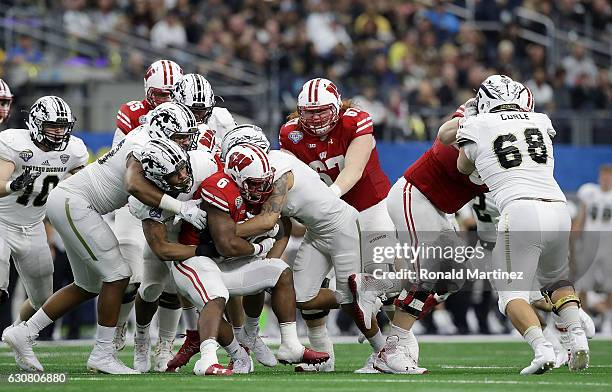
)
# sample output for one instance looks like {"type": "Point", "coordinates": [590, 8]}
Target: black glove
{"type": "Point", "coordinates": [24, 179]}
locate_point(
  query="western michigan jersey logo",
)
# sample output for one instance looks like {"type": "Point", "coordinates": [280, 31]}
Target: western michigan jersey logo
{"type": "Point", "coordinates": [26, 155]}
{"type": "Point", "coordinates": [64, 158]}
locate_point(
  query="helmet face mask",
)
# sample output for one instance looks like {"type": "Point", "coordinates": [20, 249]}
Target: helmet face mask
{"type": "Point", "coordinates": [6, 99]}
{"type": "Point", "coordinates": [167, 165]}
{"type": "Point", "coordinates": [50, 122]}
{"type": "Point", "coordinates": [157, 96]}
{"type": "Point", "coordinates": [318, 121]}
{"type": "Point", "coordinates": [249, 168]}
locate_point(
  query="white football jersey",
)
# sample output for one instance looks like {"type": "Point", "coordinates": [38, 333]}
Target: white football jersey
{"type": "Point", "coordinates": [309, 201]}
{"type": "Point", "coordinates": [203, 165]}
{"type": "Point", "coordinates": [513, 154]}
{"type": "Point", "coordinates": [101, 182]}
{"type": "Point", "coordinates": [27, 207]}
{"type": "Point", "coordinates": [598, 207]}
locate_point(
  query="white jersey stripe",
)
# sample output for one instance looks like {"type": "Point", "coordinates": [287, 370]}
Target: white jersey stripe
{"type": "Point", "coordinates": [211, 196]}
{"type": "Point", "coordinates": [364, 120]}
{"type": "Point", "coordinates": [364, 126]}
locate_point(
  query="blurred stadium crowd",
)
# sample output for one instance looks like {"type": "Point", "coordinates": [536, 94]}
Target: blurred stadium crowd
{"type": "Point", "coordinates": [408, 63]}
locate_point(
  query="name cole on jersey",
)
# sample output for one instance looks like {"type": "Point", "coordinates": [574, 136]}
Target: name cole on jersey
{"type": "Point", "coordinates": [326, 155]}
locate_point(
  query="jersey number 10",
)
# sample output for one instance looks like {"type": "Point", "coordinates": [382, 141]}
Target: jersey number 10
{"type": "Point", "coordinates": [510, 156]}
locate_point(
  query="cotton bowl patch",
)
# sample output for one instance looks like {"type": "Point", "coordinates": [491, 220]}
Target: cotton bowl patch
{"type": "Point", "coordinates": [296, 136]}
{"type": "Point", "coordinates": [26, 155]}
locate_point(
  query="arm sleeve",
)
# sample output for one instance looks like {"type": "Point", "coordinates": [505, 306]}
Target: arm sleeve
{"type": "Point", "coordinates": [82, 155]}
{"type": "Point", "coordinates": [470, 149]}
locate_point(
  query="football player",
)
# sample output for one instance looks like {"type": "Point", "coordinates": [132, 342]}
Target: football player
{"type": "Point", "coordinates": [332, 236]}
{"type": "Point", "coordinates": [6, 99]}
{"type": "Point", "coordinates": [75, 209]}
{"type": "Point", "coordinates": [512, 151]}
{"type": "Point", "coordinates": [336, 139]}
{"type": "Point", "coordinates": [246, 331]}
{"type": "Point", "coordinates": [165, 164]}
{"type": "Point", "coordinates": [594, 224]}
{"type": "Point", "coordinates": [159, 81]}
{"type": "Point", "coordinates": [32, 162]}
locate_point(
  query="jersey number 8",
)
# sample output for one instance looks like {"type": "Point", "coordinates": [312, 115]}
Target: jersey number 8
{"type": "Point", "coordinates": [510, 156]}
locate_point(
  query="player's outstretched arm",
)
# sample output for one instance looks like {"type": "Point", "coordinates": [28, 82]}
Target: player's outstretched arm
{"type": "Point", "coordinates": [356, 159]}
{"type": "Point", "coordinates": [270, 211]}
{"type": "Point", "coordinates": [156, 235]}
{"type": "Point", "coordinates": [447, 133]}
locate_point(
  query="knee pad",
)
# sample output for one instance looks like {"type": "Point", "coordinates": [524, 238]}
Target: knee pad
{"type": "Point", "coordinates": [547, 292]}
{"type": "Point", "coordinates": [170, 301]}
{"type": "Point", "coordinates": [150, 292]}
{"type": "Point", "coordinates": [413, 301]}
{"type": "Point", "coordinates": [130, 293]}
{"type": "Point", "coordinates": [314, 314]}
{"type": "Point", "coordinates": [506, 296]}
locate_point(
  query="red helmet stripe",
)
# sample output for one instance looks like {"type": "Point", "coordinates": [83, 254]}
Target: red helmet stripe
{"type": "Point", "coordinates": [262, 156]}
{"type": "Point", "coordinates": [171, 75]}
{"type": "Point", "coordinates": [310, 90]}
{"type": "Point", "coordinates": [316, 90]}
{"type": "Point", "coordinates": [165, 73]}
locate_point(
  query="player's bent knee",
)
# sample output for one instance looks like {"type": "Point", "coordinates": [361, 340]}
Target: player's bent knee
{"type": "Point", "coordinates": [150, 292]}
{"type": "Point", "coordinates": [169, 301]}
{"type": "Point", "coordinates": [570, 297]}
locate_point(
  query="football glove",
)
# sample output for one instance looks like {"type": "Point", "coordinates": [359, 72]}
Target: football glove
{"type": "Point", "coordinates": [23, 180]}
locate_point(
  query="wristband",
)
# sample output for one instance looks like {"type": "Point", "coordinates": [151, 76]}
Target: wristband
{"type": "Point", "coordinates": [257, 249]}
{"type": "Point", "coordinates": [336, 189]}
{"type": "Point", "coordinates": [7, 187]}
{"type": "Point", "coordinates": [169, 203]}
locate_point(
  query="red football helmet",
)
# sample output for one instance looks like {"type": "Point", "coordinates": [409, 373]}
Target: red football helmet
{"type": "Point", "coordinates": [319, 106]}
{"type": "Point", "coordinates": [159, 81]}
{"type": "Point", "coordinates": [6, 99]}
{"type": "Point", "coordinates": [249, 168]}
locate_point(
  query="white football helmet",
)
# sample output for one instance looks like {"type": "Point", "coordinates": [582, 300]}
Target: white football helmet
{"type": "Point", "coordinates": [526, 101]}
{"type": "Point", "coordinates": [498, 93]}
{"type": "Point", "coordinates": [6, 99]}
{"type": "Point", "coordinates": [161, 159]}
{"type": "Point", "coordinates": [319, 106]}
{"type": "Point", "coordinates": [159, 81]}
{"type": "Point", "coordinates": [244, 134]}
{"type": "Point", "coordinates": [248, 166]}
{"type": "Point", "coordinates": [196, 93]}
{"type": "Point", "coordinates": [174, 121]}
{"type": "Point", "coordinates": [50, 122]}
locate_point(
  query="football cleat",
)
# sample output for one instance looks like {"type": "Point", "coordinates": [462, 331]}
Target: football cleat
{"type": "Point", "coordinates": [190, 347]}
{"type": "Point", "coordinates": [119, 339]}
{"type": "Point", "coordinates": [242, 365]}
{"type": "Point", "coordinates": [579, 350]}
{"type": "Point", "coordinates": [587, 324]}
{"type": "Point", "coordinates": [324, 367]}
{"type": "Point", "coordinates": [211, 370]}
{"type": "Point", "coordinates": [20, 340]}
{"type": "Point", "coordinates": [300, 354]}
{"type": "Point", "coordinates": [366, 289]}
{"type": "Point", "coordinates": [142, 354]}
{"type": "Point", "coordinates": [104, 360]}
{"type": "Point", "coordinates": [396, 358]}
{"type": "Point", "coordinates": [368, 368]}
{"type": "Point", "coordinates": [256, 345]}
{"type": "Point", "coordinates": [544, 360]}
{"type": "Point", "coordinates": [162, 355]}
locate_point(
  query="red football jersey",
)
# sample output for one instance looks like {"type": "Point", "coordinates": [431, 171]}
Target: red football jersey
{"type": "Point", "coordinates": [326, 155]}
{"type": "Point", "coordinates": [132, 114]}
{"type": "Point", "coordinates": [220, 191]}
{"type": "Point", "coordinates": [435, 174]}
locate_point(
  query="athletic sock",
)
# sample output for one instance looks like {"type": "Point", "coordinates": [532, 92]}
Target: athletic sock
{"type": "Point", "coordinates": [251, 325]}
{"type": "Point", "coordinates": [377, 342]}
{"type": "Point", "coordinates": [38, 321]}
{"type": "Point", "coordinates": [105, 335]}
{"type": "Point", "coordinates": [233, 349]}
{"type": "Point", "coordinates": [320, 341]}
{"type": "Point", "coordinates": [289, 336]}
{"type": "Point", "coordinates": [168, 322]}
{"type": "Point", "coordinates": [190, 318]}
{"type": "Point", "coordinates": [534, 337]}
{"type": "Point", "coordinates": [142, 331]}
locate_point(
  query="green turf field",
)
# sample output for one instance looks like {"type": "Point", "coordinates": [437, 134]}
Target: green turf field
{"type": "Point", "coordinates": [453, 367]}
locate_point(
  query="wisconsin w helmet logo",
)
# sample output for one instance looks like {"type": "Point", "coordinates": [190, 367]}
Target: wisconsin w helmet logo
{"type": "Point", "coordinates": [332, 89]}
{"type": "Point", "coordinates": [239, 161]}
